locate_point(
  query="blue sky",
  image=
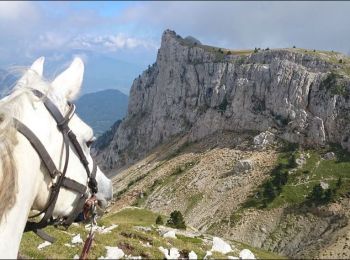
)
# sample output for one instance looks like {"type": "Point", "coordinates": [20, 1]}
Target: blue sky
{"type": "Point", "coordinates": [131, 31]}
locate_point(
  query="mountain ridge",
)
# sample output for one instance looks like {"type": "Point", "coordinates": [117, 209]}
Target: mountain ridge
{"type": "Point", "coordinates": [201, 89]}
{"type": "Point", "coordinates": [102, 108]}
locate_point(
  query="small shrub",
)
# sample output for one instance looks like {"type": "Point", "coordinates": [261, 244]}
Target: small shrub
{"type": "Point", "coordinates": [333, 84]}
{"type": "Point", "coordinates": [256, 50]}
{"type": "Point", "coordinates": [294, 47]}
{"type": "Point", "coordinates": [229, 53]}
{"type": "Point", "coordinates": [176, 220]}
{"type": "Point", "coordinates": [317, 193]}
{"type": "Point", "coordinates": [159, 220]}
{"type": "Point", "coordinates": [320, 196]}
{"type": "Point", "coordinates": [267, 49]}
{"type": "Point", "coordinates": [341, 61]}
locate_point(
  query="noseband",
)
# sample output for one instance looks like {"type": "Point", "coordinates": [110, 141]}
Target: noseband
{"type": "Point", "coordinates": [59, 177]}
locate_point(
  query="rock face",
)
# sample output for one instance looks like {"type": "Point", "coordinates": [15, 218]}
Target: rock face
{"type": "Point", "coordinates": [197, 89]}
{"type": "Point", "coordinates": [243, 166]}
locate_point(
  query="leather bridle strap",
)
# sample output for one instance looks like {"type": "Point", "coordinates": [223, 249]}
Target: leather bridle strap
{"type": "Point", "coordinates": [62, 124]}
{"type": "Point", "coordinates": [38, 146]}
{"type": "Point", "coordinates": [61, 180]}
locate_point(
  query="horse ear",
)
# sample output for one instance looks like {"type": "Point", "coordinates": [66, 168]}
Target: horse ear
{"type": "Point", "coordinates": [68, 83]}
{"type": "Point", "coordinates": [38, 66]}
{"type": "Point", "coordinates": [35, 69]}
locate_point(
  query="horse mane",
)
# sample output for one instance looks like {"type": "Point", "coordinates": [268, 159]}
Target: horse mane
{"type": "Point", "coordinates": [8, 171]}
{"type": "Point", "coordinates": [10, 108]}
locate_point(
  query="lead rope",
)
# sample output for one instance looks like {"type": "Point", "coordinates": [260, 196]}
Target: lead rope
{"type": "Point", "coordinates": [88, 242]}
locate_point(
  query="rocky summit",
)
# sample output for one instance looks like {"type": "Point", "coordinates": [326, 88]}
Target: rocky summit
{"type": "Point", "coordinates": [299, 95]}
{"type": "Point", "coordinates": [249, 145]}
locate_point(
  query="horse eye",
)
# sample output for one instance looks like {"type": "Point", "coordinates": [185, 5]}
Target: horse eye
{"type": "Point", "coordinates": [89, 143]}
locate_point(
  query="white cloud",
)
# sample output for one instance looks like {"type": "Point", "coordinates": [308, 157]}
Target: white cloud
{"type": "Point", "coordinates": [109, 42]}
{"type": "Point", "coordinates": [240, 24]}
{"type": "Point", "coordinates": [13, 10]}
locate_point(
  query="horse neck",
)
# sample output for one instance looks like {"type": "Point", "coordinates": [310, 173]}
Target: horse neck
{"type": "Point", "coordinates": [13, 223]}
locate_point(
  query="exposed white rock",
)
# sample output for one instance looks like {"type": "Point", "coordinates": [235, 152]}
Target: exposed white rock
{"type": "Point", "coordinates": [208, 254]}
{"type": "Point", "coordinates": [109, 229]}
{"type": "Point", "coordinates": [76, 239]}
{"type": "Point", "coordinates": [246, 254]}
{"type": "Point", "coordinates": [146, 244]}
{"type": "Point", "coordinates": [68, 245]}
{"type": "Point", "coordinates": [172, 253]}
{"type": "Point", "coordinates": [144, 229]}
{"type": "Point", "coordinates": [317, 133]}
{"type": "Point", "coordinates": [170, 234]}
{"type": "Point", "coordinates": [232, 257]}
{"type": "Point", "coordinates": [101, 229]}
{"type": "Point", "coordinates": [301, 160]}
{"type": "Point", "coordinates": [76, 257]}
{"type": "Point", "coordinates": [113, 253]}
{"type": "Point", "coordinates": [132, 257]}
{"type": "Point", "coordinates": [192, 255]}
{"type": "Point", "coordinates": [43, 245]}
{"type": "Point", "coordinates": [324, 185]}
{"type": "Point", "coordinates": [263, 139]}
{"type": "Point", "coordinates": [220, 246]}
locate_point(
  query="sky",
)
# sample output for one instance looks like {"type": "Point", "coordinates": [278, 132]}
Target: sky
{"type": "Point", "coordinates": [131, 31]}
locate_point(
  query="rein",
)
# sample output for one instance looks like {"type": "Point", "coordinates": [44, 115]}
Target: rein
{"type": "Point", "coordinates": [59, 177]}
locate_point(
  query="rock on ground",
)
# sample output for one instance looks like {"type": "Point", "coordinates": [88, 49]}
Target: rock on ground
{"type": "Point", "coordinates": [170, 234]}
{"type": "Point", "coordinates": [246, 254]}
{"type": "Point", "coordinates": [263, 139]}
{"type": "Point", "coordinates": [172, 253]}
{"type": "Point", "coordinates": [220, 246]}
{"type": "Point", "coordinates": [77, 239]}
{"type": "Point", "coordinates": [113, 253]}
{"type": "Point", "coordinates": [192, 255]}
{"type": "Point", "coordinates": [243, 166]}
{"type": "Point", "coordinates": [45, 244]}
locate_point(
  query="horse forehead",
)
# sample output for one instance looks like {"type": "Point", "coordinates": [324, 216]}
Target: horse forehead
{"type": "Point", "coordinates": [84, 129]}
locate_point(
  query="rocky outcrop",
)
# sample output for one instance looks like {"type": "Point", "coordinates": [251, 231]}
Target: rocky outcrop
{"type": "Point", "coordinates": [198, 89]}
{"type": "Point", "coordinates": [243, 166]}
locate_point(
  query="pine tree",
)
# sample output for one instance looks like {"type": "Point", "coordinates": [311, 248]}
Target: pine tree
{"type": "Point", "coordinates": [317, 193]}
{"type": "Point", "coordinates": [176, 220]}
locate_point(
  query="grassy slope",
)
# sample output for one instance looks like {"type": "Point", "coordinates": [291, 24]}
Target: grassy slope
{"type": "Point", "coordinates": [125, 236]}
{"type": "Point", "coordinates": [303, 179]}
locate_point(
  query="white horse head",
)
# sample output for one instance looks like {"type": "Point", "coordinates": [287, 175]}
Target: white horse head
{"type": "Point", "coordinates": [24, 181]}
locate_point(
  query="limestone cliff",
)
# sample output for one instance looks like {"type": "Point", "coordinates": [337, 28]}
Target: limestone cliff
{"type": "Point", "coordinates": [300, 95]}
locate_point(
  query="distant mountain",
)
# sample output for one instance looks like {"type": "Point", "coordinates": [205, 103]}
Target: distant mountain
{"type": "Point", "coordinates": [101, 109]}
{"type": "Point", "coordinates": [102, 71]}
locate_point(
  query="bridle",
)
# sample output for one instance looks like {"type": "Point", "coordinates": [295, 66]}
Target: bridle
{"type": "Point", "coordinates": [59, 177]}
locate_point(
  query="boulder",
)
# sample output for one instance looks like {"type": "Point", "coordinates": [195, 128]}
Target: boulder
{"type": "Point", "coordinates": [243, 166]}
{"type": "Point", "coordinates": [246, 254]}
{"type": "Point", "coordinates": [263, 139]}
{"type": "Point", "coordinates": [329, 156]}
{"type": "Point", "coordinates": [221, 246]}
